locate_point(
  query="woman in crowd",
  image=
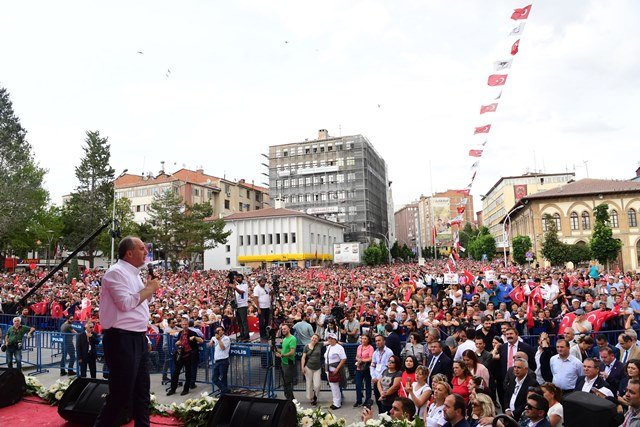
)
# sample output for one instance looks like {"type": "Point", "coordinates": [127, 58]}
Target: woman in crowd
{"type": "Point", "coordinates": [632, 370]}
{"type": "Point", "coordinates": [461, 380]}
{"type": "Point", "coordinates": [311, 365]}
{"type": "Point", "coordinates": [364, 353]}
{"type": "Point", "coordinates": [335, 359]}
{"type": "Point", "coordinates": [331, 328]}
{"type": "Point", "coordinates": [186, 354]}
{"type": "Point", "coordinates": [435, 413]}
{"type": "Point", "coordinates": [482, 407]}
{"type": "Point", "coordinates": [389, 383]}
{"type": "Point", "coordinates": [543, 356]}
{"type": "Point", "coordinates": [408, 374]}
{"type": "Point", "coordinates": [419, 391]}
{"type": "Point", "coordinates": [553, 394]}
{"type": "Point", "coordinates": [477, 369]}
{"type": "Point", "coordinates": [413, 348]}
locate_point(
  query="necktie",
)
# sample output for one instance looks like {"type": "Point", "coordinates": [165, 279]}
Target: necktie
{"type": "Point", "coordinates": [431, 364]}
{"type": "Point", "coordinates": [624, 358]}
{"type": "Point", "coordinates": [510, 356]}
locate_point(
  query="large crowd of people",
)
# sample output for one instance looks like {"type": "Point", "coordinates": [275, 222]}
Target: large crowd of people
{"type": "Point", "coordinates": [451, 345]}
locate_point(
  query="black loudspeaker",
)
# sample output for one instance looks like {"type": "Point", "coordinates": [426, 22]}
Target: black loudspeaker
{"type": "Point", "coordinates": [83, 400]}
{"type": "Point", "coordinates": [12, 386]}
{"type": "Point", "coordinates": [244, 411]}
{"type": "Point", "coordinates": [586, 409]}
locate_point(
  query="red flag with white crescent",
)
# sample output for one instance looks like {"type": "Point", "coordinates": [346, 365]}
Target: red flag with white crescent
{"type": "Point", "coordinates": [475, 153]}
{"type": "Point", "coordinates": [497, 79]}
{"type": "Point", "coordinates": [488, 108]}
{"type": "Point", "coordinates": [521, 13]}
{"type": "Point", "coordinates": [517, 295]}
{"type": "Point", "coordinates": [482, 129]}
{"type": "Point", "coordinates": [567, 321]}
{"type": "Point", "coordinates": [515, 47]}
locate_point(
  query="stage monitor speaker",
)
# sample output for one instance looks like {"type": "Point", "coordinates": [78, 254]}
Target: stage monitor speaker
{"type": "Point", "coordinates": [12, 386]}
{"type": "Point", "coordinates": [243, 411]}
{"type": "Point", "coordinates": [586, 409]}
{"type": "Point", "coordinates": [83, 400]}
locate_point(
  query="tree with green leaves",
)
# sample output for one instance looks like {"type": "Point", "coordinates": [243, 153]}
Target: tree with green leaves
{"type": "Point", "coordinates": [603, 246]}
{"type": "Point", "coordinates": [384, 252]}
{"type": "Point", "coordinates": [128, 227]}
{"type": "Point", "coordinates": [395, 250]}
{"type": "Point", "coordinates": [180, 231]}
{"type": "Point", "coordinates": [578, 253]}
{"type": "Point", "coordinates": [521, 245]}
{"type": "Point", "coordinates": [88, 207]}
{"type": "Point", "coordinates": [22, 194]}
{"type": "Point", "coordinates": [372, 254]}
{"type": "Point", "coordinates": [467, 233]}
{"type": "Point", "coordinates": [406, 253]}
{"type": "Point", "coordinates": [483, 243]}
{"type": "Point", "coordinates": [552, 248]}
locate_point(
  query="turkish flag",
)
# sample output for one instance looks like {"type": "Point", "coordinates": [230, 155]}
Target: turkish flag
{"type": "Point", "coordinates": [56, 310]}
{"type": "Point", "coordinates": [342, 294]}
{"type": "Point", "coordinates": [514, 48]}
{"type": "Point", "coordinates": [530, 321]}
{"type": "Point", "coordinates": [475, 153]}
{"type": "Point", "coordinates": [460, 209]}
{"type": "Point", "coordinates": [396, 281]}
{"type": "Point", "coordinates": [517, 295]}
{"type": "Point", "coordinates": [465, 192]}
{"type": "Point", "coordinates": [320, 289]}
{"type": "Point", "coordinates": [521, 13]}
{"type": "Point", "coordinates": [536, 295]}
{"type": "Point", "coordinates": [488, 108]}
{"type": "Point", "coordinates": [497, 79]}
{"type": "Point", "coordinates": [482, 129]}
{"type": "Point", "coordinates": [598, 317]}
{"type": "Point", "coordinates": [567, 321]}
{"type": "Point", "coordinates": [407, 296]}
{"type": "Point", "coordinates": [468, 275]}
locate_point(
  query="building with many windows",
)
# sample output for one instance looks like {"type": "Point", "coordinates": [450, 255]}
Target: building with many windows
{"type": "Point", "coordinates": [406, 223]}
{"type": "Point", "coordinates": [500, 199]}
{"type": "Point", "coordinates": [341, 179]}
{"type": "Point", "coordinates": [226, 196]}
{"type": "Point", "coordinates": [572, 208]}
{"type": "Point", "coordinates": [275, 237]}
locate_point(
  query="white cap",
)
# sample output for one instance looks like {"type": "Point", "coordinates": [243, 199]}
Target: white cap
{"type": "Point", "coordinates": [332, 335]}
{"type": "Point", "coordinates": [604, 390]}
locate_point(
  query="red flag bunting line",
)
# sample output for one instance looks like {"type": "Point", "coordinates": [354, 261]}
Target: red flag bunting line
{"type": "Point", "coordinates": [497, 80]}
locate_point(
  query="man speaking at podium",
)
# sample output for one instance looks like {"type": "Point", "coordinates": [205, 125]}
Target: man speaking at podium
{"type": "Point", "coordinates": [124, 315]}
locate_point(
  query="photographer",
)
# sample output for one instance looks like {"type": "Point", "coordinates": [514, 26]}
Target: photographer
{"type": "Point", "coordinates": [186, 353]}
{"type": "Point", "coordinates": [242, 305]}
{"type": "Point", "coordinates": [13, 342]}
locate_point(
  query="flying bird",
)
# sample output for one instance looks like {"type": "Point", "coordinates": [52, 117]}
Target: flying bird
{"type": "Point", "coordinates": [140, 52]}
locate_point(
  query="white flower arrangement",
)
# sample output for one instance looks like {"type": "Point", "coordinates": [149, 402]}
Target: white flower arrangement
{"type": "Point", "coordinates": [54, 393]}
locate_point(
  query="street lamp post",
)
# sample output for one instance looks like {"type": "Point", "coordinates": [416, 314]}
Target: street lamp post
{"type": "Point", "coordinates": [505, 240]}
{"type": "Point", "coordinates": [50, 237]}
{"type": "Point", "coordinates": [113, 216]}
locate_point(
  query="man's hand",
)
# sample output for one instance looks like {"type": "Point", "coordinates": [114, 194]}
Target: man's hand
{"type": "Point", "coordinates": [153, 284]}
{"type": "Point", "coordinates": [366, 414]}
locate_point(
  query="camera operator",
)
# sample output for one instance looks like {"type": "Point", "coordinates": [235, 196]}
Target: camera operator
{"type": "Point", "coordinates": [262, 297]}
{"type": "Point", "coordinates": [242, 305]}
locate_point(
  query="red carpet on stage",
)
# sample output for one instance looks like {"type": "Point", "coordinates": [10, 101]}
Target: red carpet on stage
{"type": "Point", "coordinates": [33, 411]}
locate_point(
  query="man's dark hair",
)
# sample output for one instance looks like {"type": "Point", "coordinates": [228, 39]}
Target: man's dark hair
{"type": "Point", "coordinates": [471, 333]}
{"type": "Point", "coordinates": [126, 244]}
{"type": "Point", "coordinates": [566, 342]}
{"type": "Point", "coordinates": [408, 407]}
{"type": "Point", "coordinates": [541, 403]}
{"type": "Point", "coordinates": [601, 337]}
{"type": "Point", "coordinates": [388, 327]}
{"type": "Point", "coordinates": [459, 404]}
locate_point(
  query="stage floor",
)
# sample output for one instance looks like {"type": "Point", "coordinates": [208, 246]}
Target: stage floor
{"type": "Point", "coordinates": [33, 411]}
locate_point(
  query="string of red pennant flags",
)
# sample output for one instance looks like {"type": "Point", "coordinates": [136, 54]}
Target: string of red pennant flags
{"type": "Point", "coordinates": [497, 80]}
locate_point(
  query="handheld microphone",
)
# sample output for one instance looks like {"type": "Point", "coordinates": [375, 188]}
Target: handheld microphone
{"type": "Point", "coordinates": [150, 271]}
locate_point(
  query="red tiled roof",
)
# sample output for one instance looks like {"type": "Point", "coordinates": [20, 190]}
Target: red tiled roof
{"type": "Point", "coordinates": [588, 186]}
{"type": "Point", "coordinates": [185, 175]}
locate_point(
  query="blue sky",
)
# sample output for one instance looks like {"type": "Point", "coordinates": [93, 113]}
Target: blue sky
{"type": "Point", "coordinates": [409, 75]}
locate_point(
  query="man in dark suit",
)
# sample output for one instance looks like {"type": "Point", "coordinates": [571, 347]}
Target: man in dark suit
{"type": "Point", "coordinates": [601, 344]}
{"type": "Point", "coordinates": [591, 378]}
{"type": "Point", "coordinates": [438, 362]}
{"type": "Point", "coordinates": [516, 387]}
{"type": "Point", "coordinates": [393, 341]}
{"type": "Point", "coordinates": [86, 347]}
{"type": "Point", "coordinates": [510, 348]}
{"type": "Point", "coordinates": [611, 369]}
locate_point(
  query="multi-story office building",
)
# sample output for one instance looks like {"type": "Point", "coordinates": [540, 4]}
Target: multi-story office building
{"type": "Point", "coordinates": [406, 222]}
{"type": "Point", "coordinates": [500, 199]}
{"type": "Point", "coordinates": [341, 179]}
{"type": "Point", "coordinates": [226, 197]}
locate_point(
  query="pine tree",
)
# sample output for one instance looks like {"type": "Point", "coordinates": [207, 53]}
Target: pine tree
{"type": "Point", "coordinates": [21, 192]}
{"type": "Point", "coordinates": [89, 204]}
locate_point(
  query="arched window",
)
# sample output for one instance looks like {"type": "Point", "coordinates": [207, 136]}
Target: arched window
{"type": "Point", "coordinates": [614, 219]}
{"type": "Point", "coordinates": [556, 218]}
{"type": "Point", "coordinates": [575, 221]}
{"type": "Point", "coordinates": [633, 219]}
{"type": "Point", "coordinates": [586, 221]}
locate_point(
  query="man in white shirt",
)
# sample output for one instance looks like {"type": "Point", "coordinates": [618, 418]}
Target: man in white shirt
{"type": "Point", "coordinates": [467, 338]}
{"type": "Point", "coordinates": [565, 368]}
{"type": "Point", "coordinates": [221, 345]}
{"type": "Point", "coordinates": [262, 299]}
{"type": "Point", "coordinates": [379, 361]}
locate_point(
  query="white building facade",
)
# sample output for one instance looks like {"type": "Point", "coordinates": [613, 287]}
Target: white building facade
{"type": "Point", "coordinates": [273, 237]}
